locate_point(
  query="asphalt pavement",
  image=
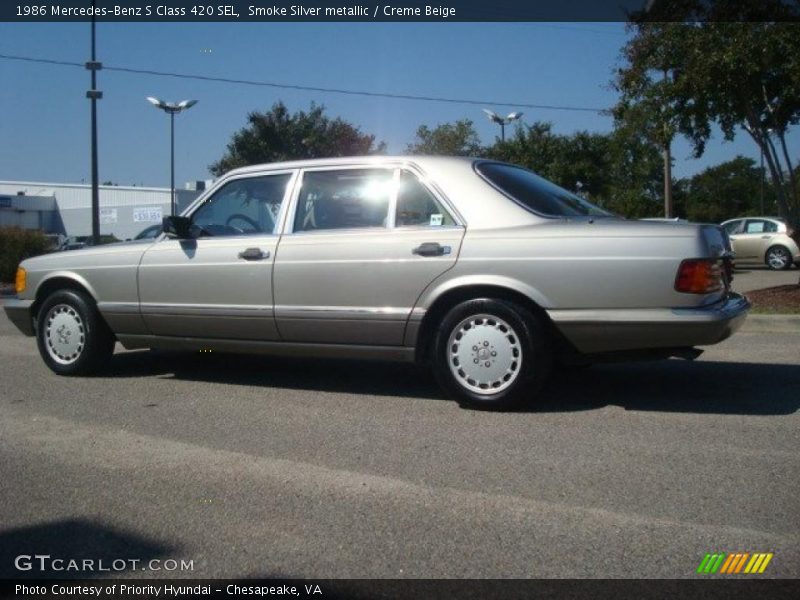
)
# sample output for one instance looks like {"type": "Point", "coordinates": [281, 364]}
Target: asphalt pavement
{"type": "Point", "coordinates": [263, 467]}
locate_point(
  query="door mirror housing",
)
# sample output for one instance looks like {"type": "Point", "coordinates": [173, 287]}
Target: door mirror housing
{"type": "Point", "coordinates": [177, 227]}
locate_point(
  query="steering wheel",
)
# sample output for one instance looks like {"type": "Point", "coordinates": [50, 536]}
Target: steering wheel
{"type": "Point", "coordinates": [246, 219]}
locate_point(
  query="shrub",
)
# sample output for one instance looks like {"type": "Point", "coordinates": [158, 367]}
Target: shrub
{"type": "Point", "coordinates": [17, 244]}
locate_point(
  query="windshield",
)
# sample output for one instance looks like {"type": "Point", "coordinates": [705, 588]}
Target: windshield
{"type": "Point", "coordinates": [536, 193]}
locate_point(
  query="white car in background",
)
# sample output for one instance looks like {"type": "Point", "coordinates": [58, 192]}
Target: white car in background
{"type": "Point", "coordinates": [763, 240]}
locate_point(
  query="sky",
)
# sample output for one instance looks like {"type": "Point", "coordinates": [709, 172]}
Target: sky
{"type": "Point", "coordinates": [44, 114]}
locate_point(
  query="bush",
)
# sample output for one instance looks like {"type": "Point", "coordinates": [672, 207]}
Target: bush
{"type": "Point", "coordinates": [16, 245]}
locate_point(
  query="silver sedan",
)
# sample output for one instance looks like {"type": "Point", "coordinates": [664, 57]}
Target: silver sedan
{"type": "Point", "coordinates": [481, 269]}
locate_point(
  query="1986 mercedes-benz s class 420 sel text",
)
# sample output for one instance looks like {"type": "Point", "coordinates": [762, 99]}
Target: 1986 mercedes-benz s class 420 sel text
{"type": "Point", "coordinates": [482, 269]}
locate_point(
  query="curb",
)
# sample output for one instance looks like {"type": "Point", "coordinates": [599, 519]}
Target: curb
{"type": "Point", "coordinates": [771, 324]}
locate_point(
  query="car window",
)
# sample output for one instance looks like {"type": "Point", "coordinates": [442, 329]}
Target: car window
{"type": "Point", "coordinates": [536, 193]}
{"type": "Point", "coordinates": [733, 227]}
{"type": "Point", "coordinates": [417, 206]}
{"type": "Point", "coordinates": [344, 199]}
{"type": "Point", "coordinates": [248, 206]}
{"type": "Point", "coordinates": [149, 233]}
{"type": "Point", "coordinates": [758, 226]}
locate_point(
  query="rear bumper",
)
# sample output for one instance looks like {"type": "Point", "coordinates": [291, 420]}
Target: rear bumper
{"type": "Point", "coordinates": [19, 313]}
{"type": "Point", "coordinates": [595, 331]}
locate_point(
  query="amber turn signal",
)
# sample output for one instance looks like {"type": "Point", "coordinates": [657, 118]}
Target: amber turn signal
{"type": "Point", "coordinates": [699, 276]}
{"type": "Point", "coordinates": [21, 280]}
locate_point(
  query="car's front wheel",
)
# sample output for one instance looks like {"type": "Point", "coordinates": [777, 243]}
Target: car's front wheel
{"type": "Point", "coordinates": [491, 354]}
{"type": "Point", "coordinates": [72, 337]}
{"type": "Point", "coordinates": [779, 258]}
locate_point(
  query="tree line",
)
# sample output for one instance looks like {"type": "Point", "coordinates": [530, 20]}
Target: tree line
{"type": "Point", "coordinates": [688, 66]}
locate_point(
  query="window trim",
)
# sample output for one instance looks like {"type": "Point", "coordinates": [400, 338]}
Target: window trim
{"type": "Point", "coordinates": [202, 200]}
{"type": "Point", "coordinates": [391, 219]}
{"type": "Point", "coordinates": [522, 205]}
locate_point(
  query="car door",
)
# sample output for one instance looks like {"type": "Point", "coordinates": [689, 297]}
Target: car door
{"type": "Point", "coordinates": [754, 239]}
{"type": "Point", "coordinates": [361, 245]}
{"type": "Point", "coordinates": [219, 283]}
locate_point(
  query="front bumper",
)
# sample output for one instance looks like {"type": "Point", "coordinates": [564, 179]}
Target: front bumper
{"type": "Point", "coordinates": [19, 313]}
{"type": "Point", "coordinates": [612, 330]}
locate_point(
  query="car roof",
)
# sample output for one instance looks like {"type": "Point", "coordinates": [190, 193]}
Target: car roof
{"type": "Point", "coordinates": [376, 159]}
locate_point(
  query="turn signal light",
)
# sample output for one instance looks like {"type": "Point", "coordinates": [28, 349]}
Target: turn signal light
{"type": "Point", "coordinates": [21, 280]}
{"type": "Point", "coordinates": [699, 276]}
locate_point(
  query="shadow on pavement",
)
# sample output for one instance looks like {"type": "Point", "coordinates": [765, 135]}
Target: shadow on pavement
{"type": "Point", "coordinates": [668, 385]}
{"type": "Point", "coordinates": [70, 539]}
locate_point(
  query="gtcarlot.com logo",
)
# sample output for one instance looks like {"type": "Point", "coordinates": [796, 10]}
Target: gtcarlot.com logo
{"type": "Point", "coordinates": [45, 562]}
{"type": "Point", "coordinates": [735, 563]}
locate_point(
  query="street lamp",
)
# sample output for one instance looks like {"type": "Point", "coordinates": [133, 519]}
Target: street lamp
{"type": "Point", "coordinates": [502, 121]}
{"type": "Point", "coordinates": [171, 108]}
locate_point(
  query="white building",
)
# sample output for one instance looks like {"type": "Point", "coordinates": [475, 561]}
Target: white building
{"type": "Point", "coordinates": [66, 208]}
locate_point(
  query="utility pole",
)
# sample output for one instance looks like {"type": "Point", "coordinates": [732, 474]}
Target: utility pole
{"type": "Point", "coordinates": [668, 208]}
{"type": "Point", "coordinates": [94, 95]}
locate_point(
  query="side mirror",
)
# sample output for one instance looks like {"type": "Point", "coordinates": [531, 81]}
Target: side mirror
{"type": "Point", "coordinates": [176, 227]}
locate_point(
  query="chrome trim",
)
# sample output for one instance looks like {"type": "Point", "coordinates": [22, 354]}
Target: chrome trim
{"type": "Point", "coordinates": [234, 176]}
{"type": "Point", "coordinates": [392, 353]}
{"type": "Point", "coordinates": [119, 307]}
{"type": "Point", "coordinates": [397, 167]}
{"type": "Point", "coordinates": [392, 313]}
{"type": "Point", "coordinates": [208, 310]}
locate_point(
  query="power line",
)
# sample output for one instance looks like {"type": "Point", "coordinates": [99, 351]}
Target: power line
{"type": "Point", "coordinates": [306, 88]}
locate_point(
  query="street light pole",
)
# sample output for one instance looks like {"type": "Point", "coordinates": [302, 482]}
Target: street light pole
{"type": "Point", "coordinates": [172, 162]}
{"type": "Point", "coordinates": [94, 95]}
{"type": "Point", "coordinates": [171, 108]}
{"type": "Point", "coordinates": [502, 121]}
{"type": "Point", "coordinates": [762, 180]}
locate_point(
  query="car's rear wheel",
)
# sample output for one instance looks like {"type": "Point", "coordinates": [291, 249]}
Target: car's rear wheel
{"type": "Point", "coordinates": [72, 337]}
{"type": "Point", "coordinates": [491, 354]}
{"type": "Point", "coordinates": [779, 258]}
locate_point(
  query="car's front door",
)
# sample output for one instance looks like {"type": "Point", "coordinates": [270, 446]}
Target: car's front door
{"type": "Point", "coordinates": [361, 246]}
{"type": "Point", "coordinates": [219, 283]}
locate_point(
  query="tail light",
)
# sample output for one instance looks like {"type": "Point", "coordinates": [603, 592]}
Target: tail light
{"type": "Point", "coordinates": [699, 276]}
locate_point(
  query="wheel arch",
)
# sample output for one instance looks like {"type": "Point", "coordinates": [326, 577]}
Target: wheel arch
{"type": "Point", "coordinates": [467, 290]}
{"type": "Point", "coordinates": [60, 281]}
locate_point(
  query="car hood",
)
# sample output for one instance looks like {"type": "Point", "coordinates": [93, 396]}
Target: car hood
{"type": "Point", "coordinates": [119, 252]}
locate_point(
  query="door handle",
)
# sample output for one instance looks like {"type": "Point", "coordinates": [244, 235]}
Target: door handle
{"type": "Point", "coordinates": [766, 237]}
{"type": "Point", "coordinates": [431, 249]}
{"type": "Point", "coordinates": [254, 254]}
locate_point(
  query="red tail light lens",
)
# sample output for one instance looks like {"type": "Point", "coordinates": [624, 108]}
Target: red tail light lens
{"type": "Point", "coordinates": [699, 276]}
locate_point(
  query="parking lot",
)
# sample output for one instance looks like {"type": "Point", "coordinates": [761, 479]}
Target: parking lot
{"type": "Point", "coordinates": [253, 466]}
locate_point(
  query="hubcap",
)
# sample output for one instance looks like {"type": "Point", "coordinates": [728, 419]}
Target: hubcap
{"type": "Point", "coordinates": [484, 354]}
{"type": "Point", "coordinates": [64, 334]}
{"type": "Point", "coordinates": [777, 259]}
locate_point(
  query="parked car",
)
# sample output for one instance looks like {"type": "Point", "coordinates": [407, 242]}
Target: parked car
{"type": "Point", "coordinates": [481, 269]}
{"type": "Point", "coordinates": [764, 240]}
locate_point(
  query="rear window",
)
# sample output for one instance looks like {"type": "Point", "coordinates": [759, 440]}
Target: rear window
{"type": "Point", "coordinates": [536, 193]}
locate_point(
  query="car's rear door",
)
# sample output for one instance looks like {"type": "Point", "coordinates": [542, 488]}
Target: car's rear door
{"type": "Point", "coordinates": [219, 285]}
{"type": "Point", "coordinates": [753, 241]}
{"type": "Point", "coordinates": [361, 245]}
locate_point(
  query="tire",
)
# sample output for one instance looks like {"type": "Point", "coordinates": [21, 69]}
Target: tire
{"type": "Point", "coordinates": [778, 258]}
{"type": "Point", "coordinates": [491, 354]}
{"type": "Point", "coordinates": [72, 337]}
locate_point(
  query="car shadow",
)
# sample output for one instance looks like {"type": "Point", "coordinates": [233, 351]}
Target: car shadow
{"type": "Point", "coordinates": [73, 539]}
{"type": "Point", "coordinates": [667, 385]}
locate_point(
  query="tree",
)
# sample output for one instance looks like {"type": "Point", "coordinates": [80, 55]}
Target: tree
{"type": "Point", "coordinates": [734, 63]}
{"type": "Point", "coordinates": [724, 191]}
{"type": "Point", "coordinates": [448, 139]}
{"type": "Point", "coordinates": [276, 135]}
{"type": "Point", "coordinates": [648, 97]}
